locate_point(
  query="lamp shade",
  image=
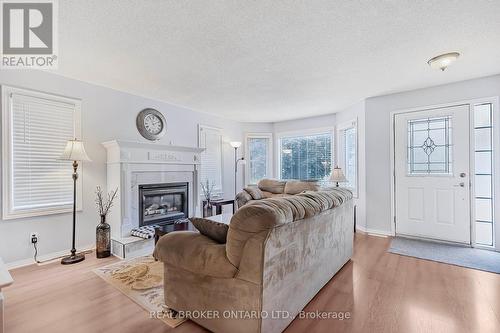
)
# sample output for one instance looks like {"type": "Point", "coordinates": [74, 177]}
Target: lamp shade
{"type": "Point", "coordinates": [235, 144]}
{"type": "Point", "coordinates": [337, 175]}
{"type": "Point", "coordinates": [74, 151]}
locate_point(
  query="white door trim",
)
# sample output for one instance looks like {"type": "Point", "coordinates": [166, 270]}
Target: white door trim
{"type": "Point", "coordinates": [494, 100]}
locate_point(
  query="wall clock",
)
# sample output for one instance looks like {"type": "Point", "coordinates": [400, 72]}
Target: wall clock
{"type": "Point", "coordinates": [151, 124]}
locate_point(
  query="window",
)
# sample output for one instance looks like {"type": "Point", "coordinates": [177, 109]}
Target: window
{"type": "Point", "coordinates": [429, 146]}
{"type": "Point", "coordinates": [483, 175]}
{"type": "Point", "coordinates": [348, 154]}
{"type": "Point", "coordinates": [258, 151]}
{"type": "Point", "coordinates": [307, 157]}
{"type": "Point", "coordinates": [211, 139]}
{"type": "Point", "coordinates": [36, 127]}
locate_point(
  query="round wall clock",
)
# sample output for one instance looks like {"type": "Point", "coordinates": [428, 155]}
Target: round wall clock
{"type": "Point", "coordinates": [151, 124]}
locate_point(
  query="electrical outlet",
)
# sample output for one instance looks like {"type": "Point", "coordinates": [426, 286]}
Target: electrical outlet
{"type": "Point", "coordinates": [34, 237]}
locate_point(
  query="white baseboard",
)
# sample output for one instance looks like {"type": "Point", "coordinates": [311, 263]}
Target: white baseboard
{"type": "Point", "coordinates": [374, 232]}
{"type": "Point", "coordinates": [46, 257]}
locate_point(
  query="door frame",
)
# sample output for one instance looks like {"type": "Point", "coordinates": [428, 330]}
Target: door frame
{"type": "Point", "coordinates": [494, 100]}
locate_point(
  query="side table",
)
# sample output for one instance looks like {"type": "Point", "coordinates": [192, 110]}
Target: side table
{"type": "Point", "coordinates": [170, 227]}
{"type": "Point", "coordinates": [218, 205]}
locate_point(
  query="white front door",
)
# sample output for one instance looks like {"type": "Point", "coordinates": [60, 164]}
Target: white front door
{"type": "Point", "coordinates": [432, 174]}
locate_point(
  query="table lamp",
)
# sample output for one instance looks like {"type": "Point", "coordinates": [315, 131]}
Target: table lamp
{"type": "Point", "coordinates": [337, 176]}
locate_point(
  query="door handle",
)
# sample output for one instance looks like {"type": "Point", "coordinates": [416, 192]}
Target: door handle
{"type": "Point", "coordinates": [462, 184]}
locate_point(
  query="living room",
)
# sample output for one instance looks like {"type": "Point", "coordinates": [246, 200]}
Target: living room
{"type": "Point", "coordinates": [243, 166]}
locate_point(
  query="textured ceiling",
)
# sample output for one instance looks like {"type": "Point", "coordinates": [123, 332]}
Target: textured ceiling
{"type": "Point", "coordinates": [274, 60]}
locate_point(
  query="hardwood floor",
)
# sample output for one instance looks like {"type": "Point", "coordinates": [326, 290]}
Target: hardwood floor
{"type": "Point", "coordinates": [383, 292]}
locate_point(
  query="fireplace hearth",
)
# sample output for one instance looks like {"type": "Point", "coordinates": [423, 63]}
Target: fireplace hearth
{"type": "Point", "coordinates": [162, 203]}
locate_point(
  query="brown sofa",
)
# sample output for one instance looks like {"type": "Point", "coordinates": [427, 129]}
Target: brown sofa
{"type": "Point", "coordinates": [279, 253]}
{"type": "Point", "coordinates": [272, 188]}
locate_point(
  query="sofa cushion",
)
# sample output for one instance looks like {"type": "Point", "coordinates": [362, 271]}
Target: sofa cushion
{"type": "Point", "coordinates": [298, 186]}
{"type": "Point", "coordinates": [328, 199]}
{"type": "Point", "coordinates": [213, 230]}
{"type": "Point", "coordinates": [254, 192]}
{"type": "Point", "coordinates": [272, 185]}
{"type": "Point", "coordinates": [267, 195]}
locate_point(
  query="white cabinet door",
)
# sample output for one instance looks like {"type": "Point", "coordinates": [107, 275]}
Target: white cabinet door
{"type": "Point", "coordinates": [432, 174]}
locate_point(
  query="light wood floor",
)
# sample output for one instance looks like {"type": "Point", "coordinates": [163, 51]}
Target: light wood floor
{"type": "Point", "coordinates": [383, 292]}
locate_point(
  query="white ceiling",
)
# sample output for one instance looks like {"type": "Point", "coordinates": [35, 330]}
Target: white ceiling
{"type": "Point", "coordinates": [274, 60]}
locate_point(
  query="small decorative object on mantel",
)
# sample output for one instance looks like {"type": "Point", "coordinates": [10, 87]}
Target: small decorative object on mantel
{"type": "Point", "coordinates": [151, 124]}
{"type": "Point", "coordinates": [103, 229]}
{"type": "Point", "coordinates": [207, 189]}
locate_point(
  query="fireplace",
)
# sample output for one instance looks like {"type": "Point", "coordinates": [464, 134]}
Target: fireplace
{"type": "Point", "coordinates": [161, 203]}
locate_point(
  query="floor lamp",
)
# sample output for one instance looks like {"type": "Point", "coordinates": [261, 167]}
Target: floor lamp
{"type": "Point", "coordinates": [75, 152]}
{"type": "Point", "coordinates": [236, 145]}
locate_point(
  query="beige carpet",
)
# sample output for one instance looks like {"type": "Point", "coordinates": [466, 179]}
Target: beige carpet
{"type": "Point", "coordinates": [141, 280]}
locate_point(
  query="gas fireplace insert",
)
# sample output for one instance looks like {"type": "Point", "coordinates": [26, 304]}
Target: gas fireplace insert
{"type": "Point", "coordinates": [161, 203]}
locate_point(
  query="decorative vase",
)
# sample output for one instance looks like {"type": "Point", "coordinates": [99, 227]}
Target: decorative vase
{"type": "Point", "coordinates": [208, 209]}
{"type": "Point", "coordinates": [103, 238]}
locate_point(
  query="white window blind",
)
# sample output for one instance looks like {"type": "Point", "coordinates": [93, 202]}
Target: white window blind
{"type": "Point", "coordinates": [258, 157]}
{"type": "Point", "coordinates": [348, 154]}
{"type": "Point", "coordinates": [350, 158]}
{"type": "Point", "coordinates": [211, 139]}
{"type": "Point", "coordinates": [307, 157]}
{"type": "Point", "coordinates": [38, 127]}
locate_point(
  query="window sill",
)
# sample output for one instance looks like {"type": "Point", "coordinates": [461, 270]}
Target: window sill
{"type": "Point", "coordinates": [37, 213]}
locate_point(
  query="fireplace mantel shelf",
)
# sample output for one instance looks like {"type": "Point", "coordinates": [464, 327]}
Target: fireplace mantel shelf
{"type": "Point", "coordinates": [150, 146]}
{"type": "Point", "coordinates": [121, 151]}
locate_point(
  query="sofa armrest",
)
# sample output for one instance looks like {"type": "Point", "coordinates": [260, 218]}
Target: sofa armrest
{"type": "Point", "coordinates": [195, 253]}
{"type": "Point", "coordinates": [242, 198]}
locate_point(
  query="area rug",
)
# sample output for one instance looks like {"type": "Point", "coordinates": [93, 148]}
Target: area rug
{"type": "Point", "coordinates": [483, 260]}
{"type": "Point", "coordinates": [141, 280]}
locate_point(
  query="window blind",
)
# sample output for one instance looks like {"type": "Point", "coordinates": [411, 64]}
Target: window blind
{"type": "Point", "coordinates": [350, 158]}
{"type": "Point", "coordinates": [258, 152]}
{"type": "Point", "coordinates": [211, 157]}
{"type": "Point", "coordinates": [306, 157]}
{"type": "Point", "coordinates": [40, 128]}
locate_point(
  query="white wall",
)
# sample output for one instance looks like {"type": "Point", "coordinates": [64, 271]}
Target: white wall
{"type": "Point", "coordinates": [378, 109]}
{"type": "Point", "coordinates": [106, 114]}
{"type": "Point", "coordinates": [257, 127]}
{"type": "Point", "coordinates": [304, 124]}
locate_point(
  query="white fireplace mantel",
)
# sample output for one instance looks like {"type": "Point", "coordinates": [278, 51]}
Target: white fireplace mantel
{"type": "Point", "coordinates": [141, 152]}
{"type": "Point", "coordinates": [130, 164]}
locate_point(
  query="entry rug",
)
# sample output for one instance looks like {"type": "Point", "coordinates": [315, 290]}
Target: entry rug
{"type": "Point", "coordinates": [141, 280]}
{"type": "Point", "coordinates": [483, 260]}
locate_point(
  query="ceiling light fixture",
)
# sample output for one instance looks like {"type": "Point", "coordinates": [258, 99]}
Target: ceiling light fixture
{"type": "Point", "coordinates": [442, 61]}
